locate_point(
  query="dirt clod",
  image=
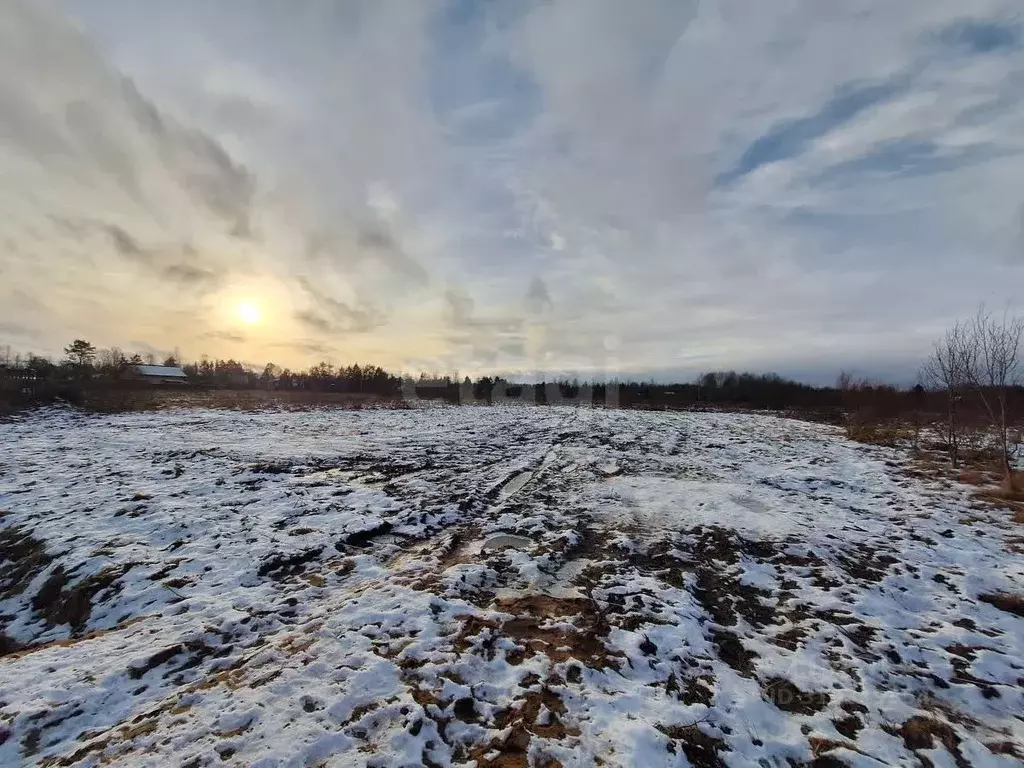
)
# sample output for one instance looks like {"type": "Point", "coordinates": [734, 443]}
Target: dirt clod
{"type": "Point", "coordinates": [787, 697]}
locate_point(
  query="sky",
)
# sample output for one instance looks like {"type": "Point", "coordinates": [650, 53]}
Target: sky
{"type": "Point", "coordinates": [654, 188]}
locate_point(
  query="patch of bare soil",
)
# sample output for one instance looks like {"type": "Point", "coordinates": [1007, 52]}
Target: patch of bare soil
{"type": "Point", "coordinates": [1005, 602]}
{"type": "Point", "coordinates": [22, 558]}
{"type": "Point", "coordinates": [725, 597]}
{"type": "Point", "coordinates": [920, 732]}
{"type": "Point", "coordinates": [787, 697]}
{"type": "Point", "coordinates": [701, 750]}
{"type": "Point", "coordinates": [821, 749]}
{"type": "Point", "coordinates": [561, 628]}
{"type": "Point", "coordinates": [698, 688]}
{"type": "Point", "coordinates": [717, 585]}
{"type": "Point", "coordinates": [657, 561]}
{"type": "Point", "coordinates": [360, 539]}
{"type": "Point", "coordinates": [849, 726]}
{"type": "Point", "coordinates": [8, 645]}
{"type": "Point", "coordinates": [538, 713]}
{"type": "Point", "coordinates": [59, 601]}
{"type": "Point", "coordinates": [1007, 748]}
{"type": "Point", "coordinates": [279, 567]}
{"type": "Point", "coordinates": [43, 721]}
{"type": "Point", "coordinates": [451, 550]}
{"type": "Point", "coordinates": [866, 564]}
{"type": "Point", "coordinates": [731, 650]}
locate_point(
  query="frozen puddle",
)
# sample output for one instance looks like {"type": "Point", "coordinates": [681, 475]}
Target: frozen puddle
{"type": "Point", "coordinates": [502, 541]}
{"type": "Point", "coordinates": [515, 485]}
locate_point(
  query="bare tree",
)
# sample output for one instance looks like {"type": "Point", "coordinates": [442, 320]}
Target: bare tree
{"type": "Point", "coordinates": [945, 369]}
{"type": "Point", "coordinates": [110, 361]}
{"type": "Point", "coordinates": [993, 370]}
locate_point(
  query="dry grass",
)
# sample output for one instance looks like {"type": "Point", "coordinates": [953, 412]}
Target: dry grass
{"type": "Point", "coordinates": [119, 400]}
{"type": "Point", "coordinates": [231, 399]}
{"type": "Point", "coordinates": [1001, 493]}
{"type": "Point", "coordinates": [979, 468]}
{"type": "Point", "coordinates": [1008, 494]}
{"type": "Point", "coordinates": [921, 732]}
{"type": "Point", "coordinates": [886, 435]}
{"type": "Point", "coordinates": [1015, 484]}
{"type": "Point", "coordinates": [126, 399]}
{"type": "Point", "coordinates": [972, 477]}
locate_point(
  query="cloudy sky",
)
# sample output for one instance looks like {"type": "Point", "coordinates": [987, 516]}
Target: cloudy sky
{"type": "Point", "coordinates": [656, 187]}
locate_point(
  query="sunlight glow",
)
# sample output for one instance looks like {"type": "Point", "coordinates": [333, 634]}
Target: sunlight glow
{"type": "Point", "coordinates": [248, 312]}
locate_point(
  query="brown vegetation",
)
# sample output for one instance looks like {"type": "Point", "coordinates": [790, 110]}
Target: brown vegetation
{"type": "Point", "coordinates": [1010, 603]}
{"type": "Point", "coordinates": [980, 360]}
{"type": "Point", "coordinates": [922, 732]}
{"type": "Point", "coordinates": [967, 427]}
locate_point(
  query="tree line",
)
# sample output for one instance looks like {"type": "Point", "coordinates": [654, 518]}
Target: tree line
{"type": "Point", "coordinates": [83, 361]}
{"type": "Point", "coordinates": [80, 357]}
{"type": "Point", "coordinates": [971, 384]}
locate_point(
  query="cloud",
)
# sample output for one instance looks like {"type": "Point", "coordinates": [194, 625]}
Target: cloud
{"type": "Point", "coordinates": [791, 138]}
{"type": "Point", "coordinates": [333, 316]}
{"type": "Point", "coordinates": [120, 215]}
{"type": "Point", "coordinates": [176, 263]}
{"type": "Point", "coordinates": [699, 184]}
{"type": "Point", "coordinates": [981, 35]}
{"type": "Point", "coordinates": [234, 338]}
{"type": "Point", "coordinates": [538, 298]}
{"type": "Point", "coordinates": [380, 244]}
{"type": "Point", "coordinates": [145, 348]}
{"type": "Point", "coordinates": [125, 243]}
{"type": "Point", "coordinates": [460, 304]}
{"type": "Point", "coordinates": [315, 321]}
{"type": "Point", "coordinates": [306, 347]}
{"type": "Point", "coordinates": [16, 330]}
{"type": "Point", "coordinates": [192, 276]}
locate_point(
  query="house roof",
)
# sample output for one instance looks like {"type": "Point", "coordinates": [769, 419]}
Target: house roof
{"type": "Point", "coordinates": [165, 371]}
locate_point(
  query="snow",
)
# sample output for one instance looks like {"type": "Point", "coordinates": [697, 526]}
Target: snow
{"type": "Point", "coordinates": [660, 502]}
{"type": "Point", "coordinates": [450, 585]}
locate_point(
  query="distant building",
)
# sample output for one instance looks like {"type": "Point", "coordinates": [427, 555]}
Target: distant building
{"type": "Point", "coordinates": [160, 374]}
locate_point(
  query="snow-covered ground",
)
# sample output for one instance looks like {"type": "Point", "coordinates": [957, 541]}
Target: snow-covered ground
{"type": "Point", "coordinates": [511, 586]}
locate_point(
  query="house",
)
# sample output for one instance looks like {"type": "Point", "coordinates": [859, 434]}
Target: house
{"type": "Point", "coordinates": [160, 374]}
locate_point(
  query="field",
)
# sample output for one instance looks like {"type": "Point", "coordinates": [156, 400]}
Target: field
{"type": "Point", "coordinates": [507, 585]}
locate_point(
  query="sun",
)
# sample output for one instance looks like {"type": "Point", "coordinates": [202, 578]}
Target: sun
{"type": "Point", "coordinates": [248, 312]}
